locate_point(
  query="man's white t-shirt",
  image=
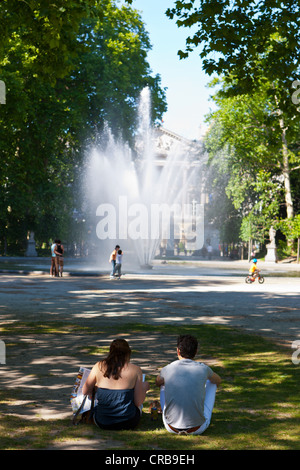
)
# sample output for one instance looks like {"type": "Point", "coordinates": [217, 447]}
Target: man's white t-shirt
{"type": "Point", "coordinates": [185, 381]}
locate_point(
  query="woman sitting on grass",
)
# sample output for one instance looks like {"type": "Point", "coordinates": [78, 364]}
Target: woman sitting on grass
{"type": "Point", "coordinates": [120, 389]}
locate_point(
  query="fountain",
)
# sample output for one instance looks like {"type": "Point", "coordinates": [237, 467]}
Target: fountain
{"type": "Point", "coordinates": [138, 202]}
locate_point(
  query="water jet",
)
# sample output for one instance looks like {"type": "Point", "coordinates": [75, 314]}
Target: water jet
{"type": "Point", "coordinates": [144, 201]}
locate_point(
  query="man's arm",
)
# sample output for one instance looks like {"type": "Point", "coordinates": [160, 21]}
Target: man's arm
{"type": "Point", "coordinates": [215, 379]}
{"type": "Point", "coordinates": [159, 381]}
{"type": "Point", "coordinates": [55, 251]}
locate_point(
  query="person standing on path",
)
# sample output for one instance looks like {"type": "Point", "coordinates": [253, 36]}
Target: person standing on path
{"type": "Point", "coordinates": [112, 260]}
{"type": "Point", "coordinates": [60, 257]}
{"type": "Point", "coordinates": [53, 267]}
{"type": "Point", "coordinates": [118, 264]}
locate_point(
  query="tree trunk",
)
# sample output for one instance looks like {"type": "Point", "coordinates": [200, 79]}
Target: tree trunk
{"type": "Point", "coordinates": [249, 249]}
{"type": "Point", "coordinates": [285, 166]}
{"type": "Point", "coordinates": [287, 182]}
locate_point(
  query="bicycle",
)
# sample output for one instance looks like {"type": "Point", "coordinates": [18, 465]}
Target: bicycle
{"type": "Point", "coordinates": [249, 279]}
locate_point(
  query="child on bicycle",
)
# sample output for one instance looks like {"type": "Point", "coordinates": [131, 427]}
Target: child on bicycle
{"type": "Point", "coordinates": [254, 271]}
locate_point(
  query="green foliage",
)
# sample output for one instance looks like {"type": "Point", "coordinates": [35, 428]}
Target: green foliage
{"type": "Point", "coordinates": [246, 131]}
{"type": "Point", "coordinates": [290, 227]}
{"type": "Point", "coordinates": [242, 37]}
{"type": "Point", "coordinates": [68, 67]}
{"type": "Point", "coordinates": [291, 230]}
{"type": "Point", "coordinates": [48, 30]}
{"type": "Point", "coordinates": [254, 47]}
{"type": "Point", "coordinates": [284, 250]}
{"type": "Point", "coordinates": [266, 208]}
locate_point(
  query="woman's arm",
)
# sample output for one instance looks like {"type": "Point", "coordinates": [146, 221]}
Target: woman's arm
{"type": "Point", "coordinates": [140, 389]}
{"type": "Point", "coordinates": [90, 382]}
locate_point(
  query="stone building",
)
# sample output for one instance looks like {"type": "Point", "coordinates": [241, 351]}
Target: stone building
{"type": "Point", "coordinates": [195, 234]}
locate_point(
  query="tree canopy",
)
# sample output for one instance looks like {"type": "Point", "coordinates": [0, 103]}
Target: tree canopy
{"type": "Point", "coordinates": [234, 34]}
{"type": "Point", "coordinates": [254, 48]}
{"type": "Point", "coordinates": [68, 67]}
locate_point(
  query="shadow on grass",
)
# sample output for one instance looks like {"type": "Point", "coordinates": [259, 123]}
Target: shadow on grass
{"type": "Point", "coordinates": [257, 405]}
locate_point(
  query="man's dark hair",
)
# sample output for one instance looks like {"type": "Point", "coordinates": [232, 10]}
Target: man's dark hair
{"type": "Point", "coordinates": [187, 346]}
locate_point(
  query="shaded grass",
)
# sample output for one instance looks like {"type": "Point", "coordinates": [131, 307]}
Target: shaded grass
{"type": "Point", "coordinates": [257, 405]}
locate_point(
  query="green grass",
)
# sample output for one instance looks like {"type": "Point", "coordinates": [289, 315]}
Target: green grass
{"type": "Point", "coordinates": [257, 405]}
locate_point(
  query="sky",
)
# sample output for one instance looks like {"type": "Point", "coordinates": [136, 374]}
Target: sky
{"type": "Point", "coordinates": [187, 93]}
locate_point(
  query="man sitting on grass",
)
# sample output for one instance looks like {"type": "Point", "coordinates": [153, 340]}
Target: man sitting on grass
{"type": "Point", "coordinates": [188, 390]}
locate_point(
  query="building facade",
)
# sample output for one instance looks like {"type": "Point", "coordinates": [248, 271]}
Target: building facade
{"type": "Point", "coordinates": [187, 159]}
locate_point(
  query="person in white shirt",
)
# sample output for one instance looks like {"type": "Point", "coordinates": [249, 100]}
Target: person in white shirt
{"type": "Point", "coordinates": [188, 390]}
{"type": "Point", "coordinates": [118, 267]}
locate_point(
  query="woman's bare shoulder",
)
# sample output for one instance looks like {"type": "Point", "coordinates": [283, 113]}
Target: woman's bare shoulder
{"type": "Point", "coordinates": [134, 368]}
{"type": "Point", "coordinates": [99, 367]}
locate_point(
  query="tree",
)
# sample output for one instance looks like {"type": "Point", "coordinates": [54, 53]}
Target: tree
{"type": "Point", "coordinates": [252, 45]}
{"type": "Point", "coordinates": [248, 124]}
{"type": "Point", "coordinates": [243, 37]}
{"type": "Point", "coordinates": [50, 115]}
{"type": "Point", "coordinates": [112, 71]}
{"type": "Point", "coordinates": [291, 229]}
{"type": "Point", "coordinates": [48, 30]}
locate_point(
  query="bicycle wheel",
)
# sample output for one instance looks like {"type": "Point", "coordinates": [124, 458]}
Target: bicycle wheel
{"type": "Point", "coordinates": [248, 280]}
{"type": "Point", "coordinates": [261, 279]}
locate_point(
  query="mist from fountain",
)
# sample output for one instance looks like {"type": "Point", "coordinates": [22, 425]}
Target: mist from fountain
{"type": "Point", "coordinates": [129, 193]}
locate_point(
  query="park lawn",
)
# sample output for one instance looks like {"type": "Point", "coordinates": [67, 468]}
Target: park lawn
{"type": "Point", "coordinates": [257, 405]}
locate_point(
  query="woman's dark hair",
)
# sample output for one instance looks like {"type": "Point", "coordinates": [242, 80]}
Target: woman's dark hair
{"type": "Point", "coordinates": [187, 346]}
{"type": "Point", "coordinates": [119, 354]}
